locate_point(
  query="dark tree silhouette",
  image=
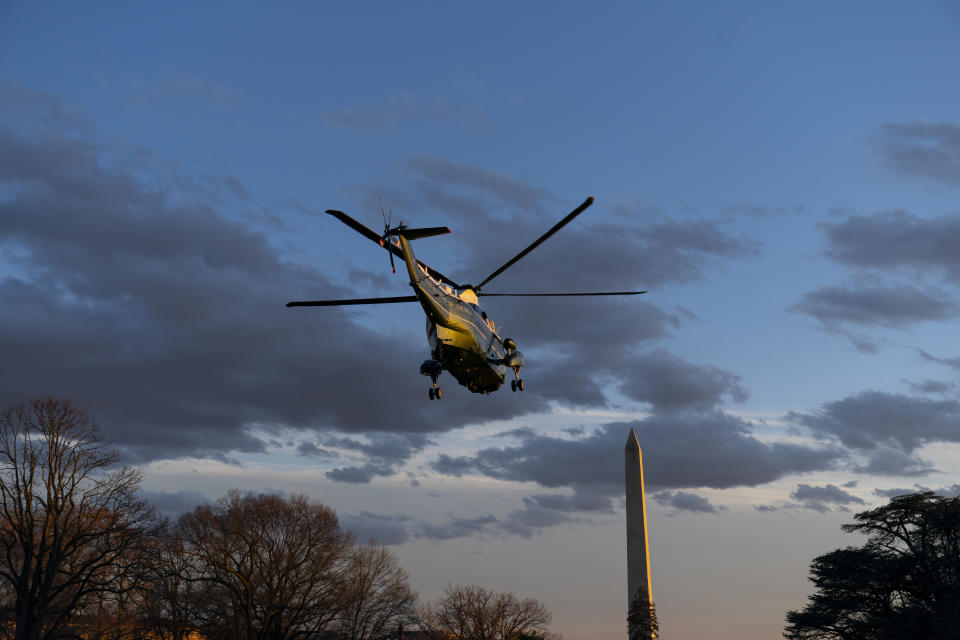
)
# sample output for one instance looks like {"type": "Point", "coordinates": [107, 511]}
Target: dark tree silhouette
{"type": "Point", "coordinates": [474, 613]}
{"type": "Point", "coordinates": [904, 583]}
{"type": "Point", "coordinates": [376, 595]}
{"type": "Point", "coordinates": [70, 529]}
{"type": "Point", "coordinates": [271, 566]}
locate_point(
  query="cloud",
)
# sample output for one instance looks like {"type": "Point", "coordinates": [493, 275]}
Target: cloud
{"type": "Point", "coordinates": [887, 461]}
{"type": "Point", "coordinates": [407, 108]}
{"type": "Point", "coordinates": [896, 239]}
{"type": "Point", "coordinates": [436, 170]}
{"type": "Point", "coordinates": [159, 310]}
{"type": "Point", "coordinates": [501, 214]}
{"type": "Point", "coordinates": [579, 344]}
{"type": "Point", "coordinates": [820, 498]}
{"type": "Point", "coordinates": [928, 150]}
{"type": "Point", "coordinates": [932, 386]}
{"type": "Point", "coordinates": [894, 307]}
{"type": "Point", "coordinates": [393, 529]}
{"type": "Point", "coordinates": [384, 451]}
{"type": "Point", "coordinates": [173, 504]}
{"type": "Point", "coordinates": [953, 363]}
{"type": "Point", "coordinates": [310, 449]}
{"type": "Point", "coordinates": [148, 297]}
{"type": "Point", "coordinates": [872, 419]}
{"type": "Point", "coordinates": [684, 501]}
{"type": "Point", "coordinates": [668, 382]}
{"type": "Point", "coordinates": [359, 475]}
{"type": "Point", "coordinates": [680, 451]}
{"type": "Point", "coordinates": [385, 529]}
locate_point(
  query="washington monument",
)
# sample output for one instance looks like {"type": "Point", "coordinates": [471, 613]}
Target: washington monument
{"type": "Point", "coordinates": [639, 589]}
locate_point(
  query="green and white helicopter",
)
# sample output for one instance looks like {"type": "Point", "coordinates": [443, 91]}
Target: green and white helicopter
{"type": "Point", "coordinates": [462, 339]}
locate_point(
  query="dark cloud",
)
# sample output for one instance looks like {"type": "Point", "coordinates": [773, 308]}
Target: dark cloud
{"type": "Point", "coordinates": [896, 239]}
{"type": "Point", "coordinates": [434, 170]}
{"type": "Point", "coordinates": [172, 504]}
{"type": "Point", "coordinates": [578, 344]}
{"type": "Point", "coordinates": [932, 386]}
{"type": "Point", "coordinates": [455, 528]}
{"type": "Point", "coordinates": [895, 307]}
{"type": "Point", "coordinates": [359, 475]}
{"type": "Point", "coordinates": [407, 108]}
{"type": "Point", "coordinates": [162, 314]}
{"type": "Point", "coordinates": [531, 519]}
{"type": "Point", "coordinates": [886, 461]}
{"type": "Point", "coordinates": [388, 447]}
{"type": "Point", "coordinates": [385, 529]}
{"type": "Point", "coordinates": [680, 451]}
{"type": "Point", "coordinates": [310, 449]}
{"type": "Point", "coordinates": [148, 297]}
{"type": "Point", "coordinates": [669, 383]}
{"type": "Point", "coordinates": [383, 450]}
{"type": "Point", "coordinates": [685, 501]}
{"type": "Point", "coordinates": [493, 216]}
{"type": "Point", "coordinates": [399, 528]}
{"type": "Point", "coordinates": [953, 363]}
{"type": "Point", "coordinates": [821, 498]}
{"type": "Point", "coordinates": [929, 150]}
{"type": "Point", "coordinates": [585, 498]}
{"type": "Point", "coordinates": [872, 419]}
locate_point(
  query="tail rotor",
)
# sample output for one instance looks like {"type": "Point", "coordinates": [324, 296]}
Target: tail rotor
{"type": "Point", "coordinates": [386, 233]}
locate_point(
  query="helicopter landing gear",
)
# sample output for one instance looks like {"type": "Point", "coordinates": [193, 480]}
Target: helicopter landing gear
{"type": "Point", "coordinates": [433, 369]}
{"type": "Point", "coordinates": [517, 384]}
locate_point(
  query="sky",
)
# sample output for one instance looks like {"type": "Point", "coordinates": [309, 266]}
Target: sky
{"type": "Point", "coordinates": [781, 178]}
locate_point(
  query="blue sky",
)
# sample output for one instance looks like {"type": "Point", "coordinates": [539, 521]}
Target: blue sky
{"type": "Point", "coordinates": [781, 178]}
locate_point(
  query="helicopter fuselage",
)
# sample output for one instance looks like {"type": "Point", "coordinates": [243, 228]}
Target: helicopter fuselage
{"type": "Point", "coordinates": [461, 337]}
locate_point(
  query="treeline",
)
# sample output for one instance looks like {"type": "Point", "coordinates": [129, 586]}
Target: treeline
{"type": "Point", "coordinates": [84, 556]}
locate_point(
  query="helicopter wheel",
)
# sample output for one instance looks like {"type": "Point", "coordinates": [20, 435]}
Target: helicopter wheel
{"type": "Point", "coordinates": [431, 393]}
{"type": "Point", "coordinates": [520, 384]}
{"type": "Point", "coordinates": [513, 385]}
{"type": "Point", "coordinates": [439, 393]}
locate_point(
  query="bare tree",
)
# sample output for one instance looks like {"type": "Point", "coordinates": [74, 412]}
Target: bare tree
{"type": "Point", "coordinates": [69, 527]}
{"type": "Point", "coordinates": [474, 613]}
{"type": "Point", "coordinates": [271, 566]}
{"type": "Point", "coordinates": [168, 607]}
{"type": "Point", "coordinates": [376, 594]}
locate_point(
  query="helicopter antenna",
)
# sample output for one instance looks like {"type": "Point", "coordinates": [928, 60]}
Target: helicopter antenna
{"type": "Point", "coordinates": [386, 232]}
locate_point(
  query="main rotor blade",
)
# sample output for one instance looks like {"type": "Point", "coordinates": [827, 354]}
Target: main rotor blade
{"type": "Point", "coordinates": [341, 303]}
{"type": "Point", "coordinates": [394, 249]}
{"type": "Point", "coordinates": [549, 295]}
{"type": "Point", "coordinates": [536, 243]}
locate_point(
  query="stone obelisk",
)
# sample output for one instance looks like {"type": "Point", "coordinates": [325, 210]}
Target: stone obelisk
{"type": "Point", "coordinates": [638, 551]}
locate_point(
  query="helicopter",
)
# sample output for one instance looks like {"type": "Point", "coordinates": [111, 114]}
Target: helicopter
{"type": "Point", "coordinates": [463, 340]}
